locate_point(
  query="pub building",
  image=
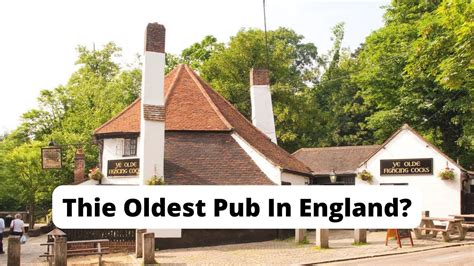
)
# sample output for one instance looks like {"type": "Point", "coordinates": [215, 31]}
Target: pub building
{"type": "Point", "coordinates": [184, 132]}
{"type": "Point", "coordinates": [406, 158]}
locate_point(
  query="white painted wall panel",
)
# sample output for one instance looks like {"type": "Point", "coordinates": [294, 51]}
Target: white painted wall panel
{"type": "Point", "coordinates": [441, 198]}
{"type": "Point", "coordinates": [294, 179]}
{"type": "Point", "coordinates": [113, 150]}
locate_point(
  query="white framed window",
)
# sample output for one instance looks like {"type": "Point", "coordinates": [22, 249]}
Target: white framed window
{"type": "Point", "coordinates": [129, 147]}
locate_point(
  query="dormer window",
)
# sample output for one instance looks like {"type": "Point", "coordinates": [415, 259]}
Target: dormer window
{"type": "Point", "coordinates": [129, 147]}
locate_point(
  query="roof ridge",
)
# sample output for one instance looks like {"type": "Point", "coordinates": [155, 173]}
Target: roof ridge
{"type": "Point", "coordinates": [339, 147]}
{"type": "Point", "coordinates": [119, 114]}
{"type": "Point", "coordinates": [206, 95]}
{"type": "Point", "coordinates": [173, 83]}
{"type": "Point", "coordinates": [407, 127]}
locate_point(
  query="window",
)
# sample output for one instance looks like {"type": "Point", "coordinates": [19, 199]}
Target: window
{"type": "Point", "coordinates": [340, 180]}
{"type": "Point", "coordinates": [347, 180]}
{"type": "Point", "coordinates": [129, 147]}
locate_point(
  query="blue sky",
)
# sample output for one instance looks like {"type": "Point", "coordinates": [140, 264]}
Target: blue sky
{"type": "Point", "coordinates": [39, 38]}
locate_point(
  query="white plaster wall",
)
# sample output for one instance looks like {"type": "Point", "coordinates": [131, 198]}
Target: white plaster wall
{"type": "Point", "coordinates": [113, 150]}
{"type": "Point", "coordinates": [294, 179]}
{"type": "Point", "coordinates": [153, 75]}
{"type": "Point", "coordinates": [152, 141]}
{"type": "Point", "coordinates": [152, 145]}
{"type": "Point", "coordinates": [262, 110]}
{"type": "Point", "coordinates": [441, 198]}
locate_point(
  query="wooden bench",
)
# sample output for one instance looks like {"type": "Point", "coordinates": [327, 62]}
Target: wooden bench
{"type": "Point", "coordinates": [453, 227]}
{"type": "Point", "coordinates": [465, 224]}
{"type": "Point", "coordinates": [98, 249]}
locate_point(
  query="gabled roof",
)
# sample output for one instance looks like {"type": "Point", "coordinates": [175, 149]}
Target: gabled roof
{"type": "Point", "coordinates": [342, 160]}
{"type": "Point", "coordinates": [192, 105]}
{"type": "Point", "coordinates": [407, 127]}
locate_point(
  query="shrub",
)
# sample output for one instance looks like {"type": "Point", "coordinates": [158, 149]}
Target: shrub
{"type": "Point", "coordinates": [447, 174]}
{"type": "Point", "coordinates": [95, 174]}
{"type": "Point", "coordinates": [155, 180]}
{"type": "Point", "coordinates": [365, 176]}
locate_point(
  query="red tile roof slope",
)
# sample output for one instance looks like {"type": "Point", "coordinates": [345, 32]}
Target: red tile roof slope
{"type": "Point", "coordinates": [127, 121]}
{"type": "Point", "coordinates": [188, 107]}
{"type": "Point", "coordinates": [194, 158]}
{"type": "Point", "coordinates": [343, 160]}
{"type": "Point", "coordinates": [254, 136]}
{"type": "Point", "coordinates": [192, 105]}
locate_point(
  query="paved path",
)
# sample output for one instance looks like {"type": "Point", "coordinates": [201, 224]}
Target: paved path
{"type": "Point", "coordinates": [30, 251]}
{"type": "Point", "coordinates": [268, 252]}
{"type": "Point", "coordinates": [463, 255]}
{"type": "Point", "coordinates": [287, 252]}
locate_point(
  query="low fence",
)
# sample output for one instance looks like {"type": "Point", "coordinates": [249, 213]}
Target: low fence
{"type": "Point", "coordinates": [114, 235]}
{"type": "Point", "coordinates": [120, 239]}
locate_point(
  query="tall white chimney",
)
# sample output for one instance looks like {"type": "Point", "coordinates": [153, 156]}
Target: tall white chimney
{"type": "Point", "coordinates": [261, 99]}
{"type": "Point", "coordinates": [152, 119]}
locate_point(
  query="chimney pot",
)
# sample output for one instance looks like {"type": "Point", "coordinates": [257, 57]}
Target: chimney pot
{"type": "Point", "coordinates": [155, 38]}
{"type": "Point", "coordinates": [259, 76]}
{"type": "Point", "coordinates": [79, 166]}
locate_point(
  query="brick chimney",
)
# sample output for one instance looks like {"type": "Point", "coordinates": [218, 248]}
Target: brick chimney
{"type": "Point", "coordinates": [79, 166]}
{"type": "Point", "coordinates": [261, 99]}
{"type": "Point", "coordinates": [152, 120]}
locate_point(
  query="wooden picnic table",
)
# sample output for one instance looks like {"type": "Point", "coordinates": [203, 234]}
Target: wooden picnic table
{"type": "Point", "coordinates": [459, 216]}
{"type": "Point", "coordinates": [451, 228]}
{"type": "Point", "coordinates": [465, 224]}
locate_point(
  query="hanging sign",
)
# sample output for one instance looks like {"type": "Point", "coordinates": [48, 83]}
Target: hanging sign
{"type": "Point", "coordinates": [126, 167]}
{"type": "Point", "coordinates": [51, 158]}
{"type": "Point", "coordinates": [407, 167]}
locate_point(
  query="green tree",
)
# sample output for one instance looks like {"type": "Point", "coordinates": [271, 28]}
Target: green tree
{"type": "Point", "coordinates": [98, 90]}
{"type": "Point", "coordinates": [32, 187]}
{"type": "Point", "coordinates": [417, 69]}
{"type": "Point", "coordinates": [199, 53]}
{"type": "Point", "coordinates": [67, 114]}
{"type": "Point", "coordinates": [293, 64]}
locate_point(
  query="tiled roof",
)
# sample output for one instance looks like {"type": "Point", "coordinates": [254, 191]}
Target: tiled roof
{"type": "Point", "coordinates": [188, 106]}
{"type": "Point", "coordinates": [254, 136]}
{"type": "Point", "coordinates": [127, 121]}
{"type": "Point", "coordinates": [192, 105]}
{"type": "Point", "coordinates": [342, 160]}
{"type": "Point", "coordinates": [194, 158]}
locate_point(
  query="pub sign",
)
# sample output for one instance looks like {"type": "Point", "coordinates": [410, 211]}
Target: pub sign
{"type": "Point", "coordinates": [51, 158]}
{"type": "Point", "coordinates": [126, 167]}
{"type": "Point", "coordinates": [422, 166]}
